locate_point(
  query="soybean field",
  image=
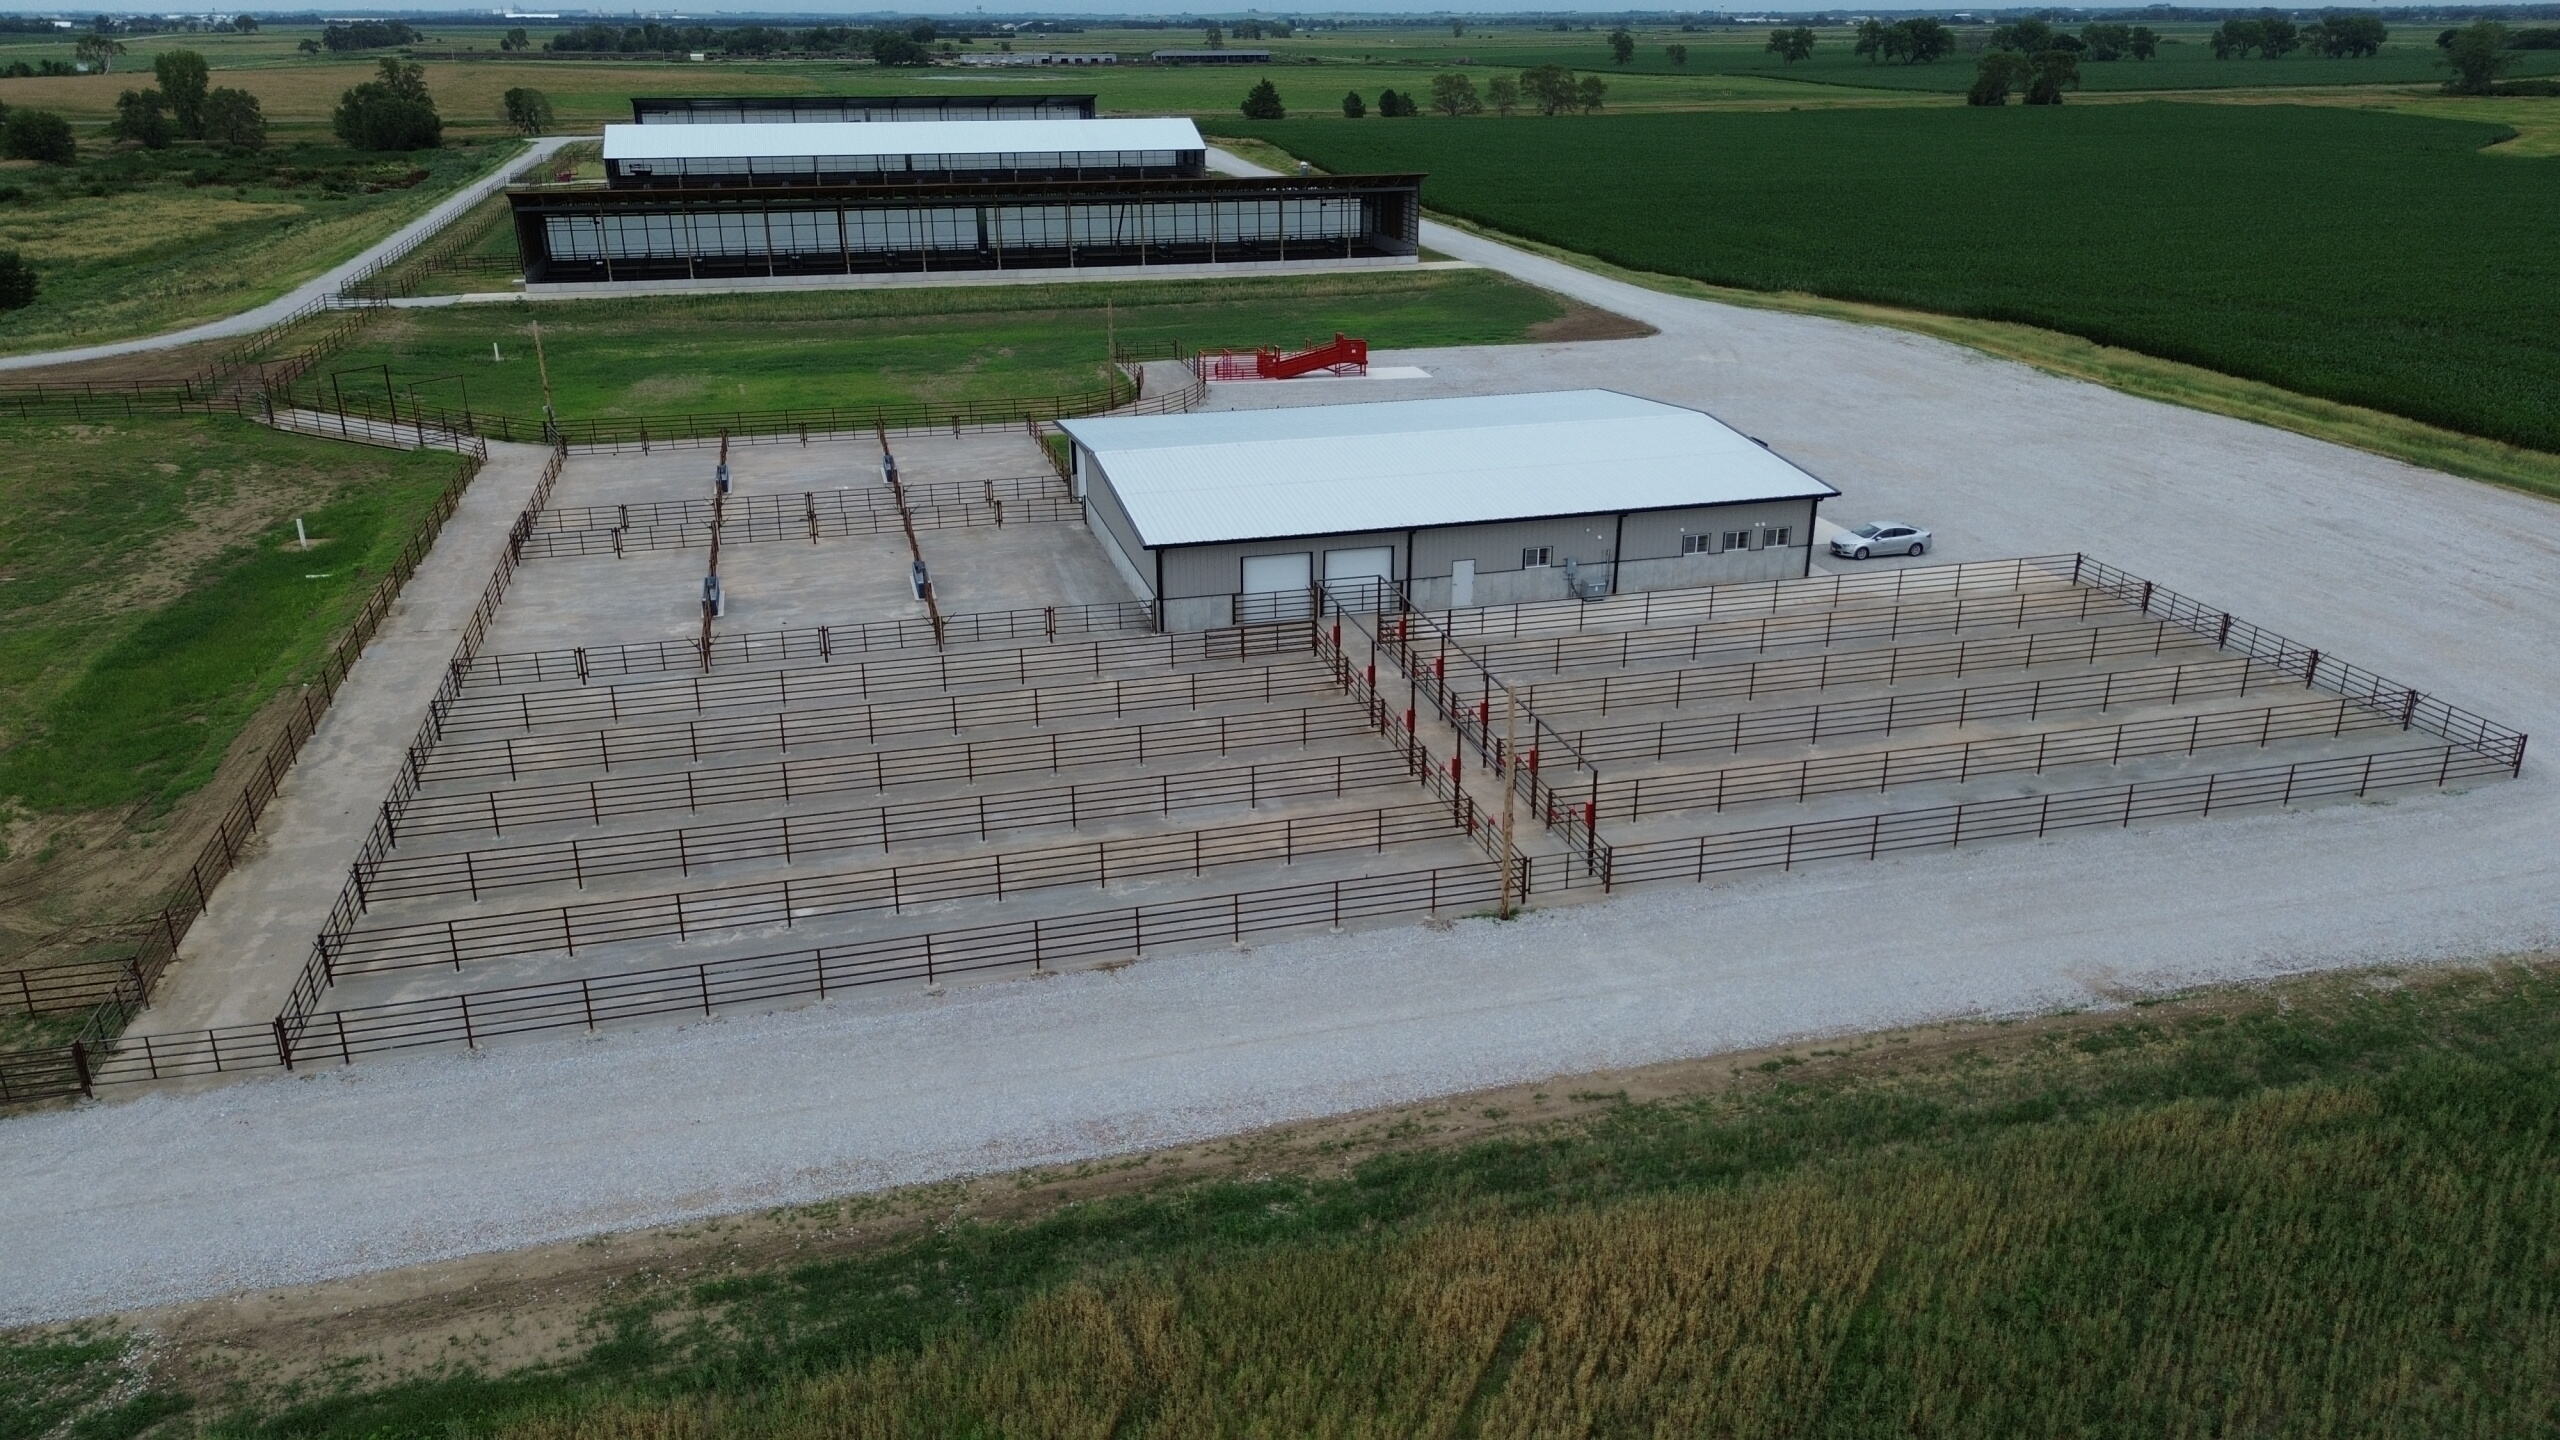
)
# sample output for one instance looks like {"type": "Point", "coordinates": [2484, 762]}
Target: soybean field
{"type": "Point", "coordinates": [2381, 260]}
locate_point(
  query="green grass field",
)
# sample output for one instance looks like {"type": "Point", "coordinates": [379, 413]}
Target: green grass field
{"type": "Point", "coordinates": [152, 601]}
{"type": "Point", "coordinates": [2384, 261]}
{"type": "Point", "coordinates": [692, 354]}
{"type": "Point", "coordinates": [2326, 1213]}
{"type": "Point", "coordinates": [155, 598]}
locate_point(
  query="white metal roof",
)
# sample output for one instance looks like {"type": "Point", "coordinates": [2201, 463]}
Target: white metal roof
{"type": "Point", "coordinates": [894, 137]}
{"type": "Point", "coordinates": [1326, 469]}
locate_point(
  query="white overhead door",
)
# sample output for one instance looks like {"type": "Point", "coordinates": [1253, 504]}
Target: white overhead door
{"type": "Point", "coordinates": [1359, 579]}
{"type": "Point", "coordinates": [1275, 588]}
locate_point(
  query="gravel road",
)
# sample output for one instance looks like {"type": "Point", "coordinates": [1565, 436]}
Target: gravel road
{"type": "Point", "coordinates": [2444, 583]}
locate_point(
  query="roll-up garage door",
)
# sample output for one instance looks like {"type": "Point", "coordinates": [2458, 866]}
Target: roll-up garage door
{"type": "Point", "coordinates": [1275, 588]}
{"type": "Point", "coordinates": [1360, 579]}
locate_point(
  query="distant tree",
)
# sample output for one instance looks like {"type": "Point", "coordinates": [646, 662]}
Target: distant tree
{"type": "Point", "coordinates": [2055, 70]}
{"type": "Point", "coordinates": [245, 24]}
{"type": "Point", "coordinates": [516, 39]}
{"type": "Point", "coordinates": [1622, 46]}
{"type": "Point", "coordinates": [2345, 35]}
{"type": "Point", "coordinates": [1550, 88]}
{"type": "Point", "coordinates": [393, 112]}
{"type": "Point", "coordinates": [895, 47]}
{"type": "Point", "coordinates": [1453, 95]}
{"type": "Point", "coordinates": [1457, 29]}
{"type": "Point", "coordinates": [1870, 40]}
{"type": "Point", "coordinates": [2143, 42]}
{"type": "Point", "coordinates": [2477, 55]}
{"type": "Point", "coordinates": [1216, 37]}
{"type": "Point", "coordinates": [98, 50]}
{"type": "Point", "coordinates": [37, 135]}
{"type": "Point", "coordinates": [1677, 54]}
{"type": "Point", "coordinates": [1394, 105]}
{"type": "Point", "coordinates": [234, 121]}
{"type": "Point", "coordinates": [527, 112]}
{"type": "Point", "coordinates": [2277, 36]}
{"type": "Point", "coordinates": [307, 45]}
{"type": "Point", "coordinates": [1789, 45]}
{"type": "Point", "coordinates": [183, 76]}
{"type": "Point", "coordinates": [2107, 40]}
{"type": "Point", "coordinates": [2002, 71]}
{"type": "Point", "coordinates": [1918, 42]}
{"type": "Point", "coordinates": [17, 281]}
{"type": "Point", "coordinates": [339, 36]}
{"type": "Point", "coordinates": [2237, 37]}
{"type": "Point", "coordinates": [1262, 102]}
{"type": "Point", "coordinates": [142, 117]}
{"type": "Point", "coordinates": [1503, 94]}
{"type": "Point", "coordinates": [2024, 36]}
{"type": "Point", "coordinates": [1589, 93]}
{"type": "Point", "coordinates": [1353, 107]}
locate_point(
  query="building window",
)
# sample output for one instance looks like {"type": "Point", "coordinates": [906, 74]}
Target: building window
{"type": "Point", "coordinates": [1697, 545]}
{"type": "Point", "coordinates": [1537, 557]}
{"type": "Point", "coordinates": [1778, 537]}
{"type": "Point", "coordinates": [1737, 540]}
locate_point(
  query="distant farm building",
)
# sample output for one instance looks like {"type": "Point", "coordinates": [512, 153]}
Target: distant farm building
{"type": "Point", "coordinates": [1034, 57]}
{"type": "Point", "coordinates": [1232, 517]}
{"type": "Point", "coordinates": [852, 109]}
{"type": "Point", "coordinates": [1211, 57]}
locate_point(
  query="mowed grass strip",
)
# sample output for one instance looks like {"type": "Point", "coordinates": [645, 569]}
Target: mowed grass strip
{"type": "Point", "coordinates": [667, 355]}
{"type": "Point", "coordinates": [2412, 276]}
{"type": "Point", "coordinates": [2324, 1213]}
{"type": "Point", "coordinates": [153, 596]}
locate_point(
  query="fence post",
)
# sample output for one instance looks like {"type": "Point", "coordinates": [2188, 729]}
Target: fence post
{"type": "Point", "coordinates": [284, 1047]}
{"type": "Point", "coordinates": [80, 1068]}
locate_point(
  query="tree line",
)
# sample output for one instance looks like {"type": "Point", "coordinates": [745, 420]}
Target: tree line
{"type": "Point", "coordinates": [906, 44]}
{"type": "Point", "coordinates": [1545, 89]}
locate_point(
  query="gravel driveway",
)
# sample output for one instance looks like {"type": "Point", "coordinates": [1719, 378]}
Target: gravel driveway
{"type": "Point", "coordinates": [2447, 584]}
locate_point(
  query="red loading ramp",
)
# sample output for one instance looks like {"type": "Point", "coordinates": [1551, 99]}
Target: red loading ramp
{"type": "Point", "coordinates": [1342, 356]}
{"type": "Point", "coordinates": [1345, 356]}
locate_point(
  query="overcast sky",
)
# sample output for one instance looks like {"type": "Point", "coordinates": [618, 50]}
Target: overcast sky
{"type": "Point", "coordinates": [1072, 9]}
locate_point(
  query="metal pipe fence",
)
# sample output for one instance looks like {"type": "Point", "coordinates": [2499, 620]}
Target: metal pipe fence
{"type": "Point", "coordinates": [1870, 837]}
{"type": "Point", "coordinates": [821, 643]}
{"type": "Point", "coordinates": [1601, 694]}
{"type": "Point", "coordinates": [516, 756]}
{"type": "Point", "coordinates": [788, 507]}
{"type": "Point", "coordinates": [472, 1018]}
{"type": "Point", "coordinates": [2029, 700]}
{"type": "Point", "coordinates": [69, 989]}
{"type": "Point", "coordinates": [2326, 671]}
{"type": "Point", "coordinates": [830, 520]}
{"type": "Point", "coordinates": [1649, 609]}
{"type": "Point", "coordinates": [576, 860]}
{"type": "Point", "coordinates": [939, 671]}
{"type": "Point", "coordinates": [968, 762]}
{"type": "Point", "coordinates": [1963, 761]}
{"type": "Point", "coordinates": [788, 901]}
{"type": "Point", "coordinates": [1888, 624]}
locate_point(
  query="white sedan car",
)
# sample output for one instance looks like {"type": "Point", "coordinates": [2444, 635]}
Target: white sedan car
{"type": "Point", "coordinates": [1884, 539]}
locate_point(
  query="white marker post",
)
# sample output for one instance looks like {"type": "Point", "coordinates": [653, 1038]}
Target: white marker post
{"type": "Point", "coordinates": [301, 534]}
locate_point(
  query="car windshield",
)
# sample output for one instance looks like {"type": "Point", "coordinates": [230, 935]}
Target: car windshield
{"type": "Point", "coordinates": [1868, 532]}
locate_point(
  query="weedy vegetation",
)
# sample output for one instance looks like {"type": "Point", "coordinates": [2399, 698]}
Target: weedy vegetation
{"type": "Point", "coordinates": [2324, 1212]}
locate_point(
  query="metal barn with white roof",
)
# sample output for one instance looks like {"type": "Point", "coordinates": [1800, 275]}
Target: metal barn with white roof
{"type": "Point", "coordinates": [1231, 516]}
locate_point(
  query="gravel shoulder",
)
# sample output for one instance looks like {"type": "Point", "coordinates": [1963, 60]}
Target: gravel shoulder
{"type": "Point", "coordinates": [2448, 584]}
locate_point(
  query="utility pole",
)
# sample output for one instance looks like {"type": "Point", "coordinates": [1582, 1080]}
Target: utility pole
{"type": "Point", "coordinates": [550, 417]}
{"type": "Point", "coordinates": [1510, 791]}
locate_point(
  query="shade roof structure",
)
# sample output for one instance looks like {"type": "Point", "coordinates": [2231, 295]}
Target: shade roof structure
{"type": "Point", "coordinates": [1207, 478]}
{"type": "Point", "coordinates": [895, 137]}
